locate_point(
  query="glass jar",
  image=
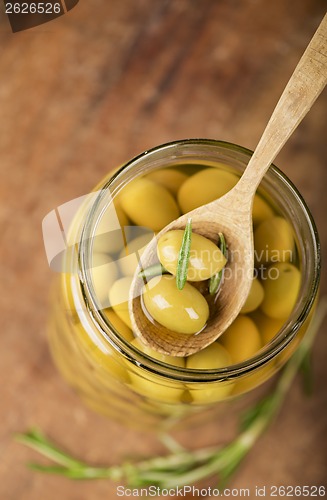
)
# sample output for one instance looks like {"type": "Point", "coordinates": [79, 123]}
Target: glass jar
{"type": "Point", "coordinates": [96, 355]}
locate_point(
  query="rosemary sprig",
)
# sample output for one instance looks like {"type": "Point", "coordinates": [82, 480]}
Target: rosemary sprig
{"type": "Point", "coordinates": [215, 280]}
{"type": "Point", "coordinates": [184, 256]}
{"type": "Point", "coordinates": [151, 271]}
{"type": "Point", "coordinates": [182, 467]}
{"type": "Point", "coordinates": [307, 375]}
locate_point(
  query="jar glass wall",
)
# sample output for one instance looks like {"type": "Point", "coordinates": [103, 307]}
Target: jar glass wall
{"type": "Point", "coordinates": [93, 345]}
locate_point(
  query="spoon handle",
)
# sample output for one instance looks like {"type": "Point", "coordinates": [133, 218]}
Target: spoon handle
{"type": "Point", "coordinates": [305, 85]}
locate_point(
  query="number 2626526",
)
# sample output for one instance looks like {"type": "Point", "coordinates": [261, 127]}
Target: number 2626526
{"type": "Point", "coordinates": [33, 8]}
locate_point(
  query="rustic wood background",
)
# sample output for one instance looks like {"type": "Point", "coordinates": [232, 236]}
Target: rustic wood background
{"type": "Point", "coordinates": [84, 93]}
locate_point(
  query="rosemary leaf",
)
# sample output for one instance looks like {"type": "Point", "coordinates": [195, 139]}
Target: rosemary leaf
{"type": "Point", "coordinates": [250, 415]}
{"type": "Point", "coordinates": [171, 444]}
{"type": "Point", "coordinates": [307, 374]}
{"type": "Point", "coordinates": [75, 472]}
{"type": "Point", "coordinates": [36, 440]}
{"type": "Point", "coordinates": [150, 272]}
{"type": "Point", "coordinates": [184, 256]}
{"type": "Point", "coordinates": [215, 280]}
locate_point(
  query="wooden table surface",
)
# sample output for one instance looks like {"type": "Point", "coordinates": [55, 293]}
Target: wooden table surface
{"type": "Point", "coordinates": [80, 95]}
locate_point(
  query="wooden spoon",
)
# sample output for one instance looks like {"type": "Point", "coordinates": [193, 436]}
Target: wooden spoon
{"type": "Point", "coordinates": [232, 213]}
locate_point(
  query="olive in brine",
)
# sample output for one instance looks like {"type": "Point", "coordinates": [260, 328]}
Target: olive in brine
{"type": "Point", "coordinates": [254, 298]}
{"type": "Point", "coordinates": [130, 255]}
{"type": "Point", "coordinates": [241, 339]}
{"type": "Point", "coordinates": [268, 327]}
{"type": "Point", "coordinates": [118, 324]}
{"type": "Point", "coordinates": [104, 274]}
{"type": "Point", "coordinates": [165, 358]}
{"type": "Point", "coordinates": [281, 285]}
{"type": "Point", "coordinates": [151, 385]}
{"type": "Point", "coordinates": [205, 186]}
{"type": "Point", "coordinates": [148, 204]}
{"type": "Point", "coordinates": [109, 235]}
{"type": "Point", "coordinates": [170, 178]}
{"type": "Point", "coordinates": [211, 357]}
{"type": "Point", "coordinates": [205, 257]}
{"type": "Point", "coordinates": [273, 241]}
{"type": "Point", "coordinates": [261, 210]}
{"type": "Point", "coordinates": [118, 298]}
{"type": "Point", "coordinates": [182, 311]}
{"type": "Point", "coordinates": [214, 356]}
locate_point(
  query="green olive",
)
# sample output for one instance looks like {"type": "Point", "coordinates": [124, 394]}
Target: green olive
{"type": "Point", "coordinates": [148, 204]}
{"type": "Point", "coordinates": [205, 257]}
{"type": "Point", "coordinates": [281, 285]}
{"type": "Point", "coordinates": [255, 378]}
{"type": "Point", "coordinates": [104, 274]}
{"type": "Point", "coordinates": [261, 210]}
{"type": "Point", "coordinates": [183, 311]}
{"type": "Point", "coordinates": [169, 360]}
{"type": "Point", "coordinates": [254, 298]}
{"type": "Point", "coordinates": [118, 298]}
{"type": "Point", "coordinates": [101, 357]}
{"type": "Point", "coordinates": [241, 339]}
{"type": "Point", "coordinates": [273, 241]}
{"type": "Point", "coordinates": [151, 385]}
{"type": "Point", "coordinates": [109, 235]}
{"type": "Point", "coordinates": [214, 356]}
{"type": "Point", "coordinates": [130, 254]}
{"type": "Point", "coordinates": [205, 186]}
{"type": "Point", "coordinates": [170, 178]}
{"type": "Point", "coordinates": [210, 392]}
{"type": "Point", "coordinates": [211, 357]}
{"type": "Point", "coordinates": [118, 324]}
{"type": "Point", "coordinates": [268, 327]}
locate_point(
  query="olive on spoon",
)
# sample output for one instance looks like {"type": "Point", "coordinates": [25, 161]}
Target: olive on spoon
{"type": "Point", "coordinates": [232, 213]}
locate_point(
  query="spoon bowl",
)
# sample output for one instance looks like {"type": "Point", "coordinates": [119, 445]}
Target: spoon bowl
{"type": "Point", "coordinates": [232, 214]}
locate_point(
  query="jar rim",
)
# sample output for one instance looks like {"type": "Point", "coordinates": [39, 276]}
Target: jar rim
{"type": "Point", "coordinates": [289, 329]}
